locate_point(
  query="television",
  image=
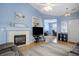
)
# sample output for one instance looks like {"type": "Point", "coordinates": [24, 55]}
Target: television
{"type": "Point", "coordinates": [37, 30]}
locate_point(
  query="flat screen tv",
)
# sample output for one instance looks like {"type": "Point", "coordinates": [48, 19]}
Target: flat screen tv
{"type": "Point", "coordinates": [37, 30]}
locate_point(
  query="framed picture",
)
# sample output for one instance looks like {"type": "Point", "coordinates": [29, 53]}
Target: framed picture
{"type": "Point", "coordinates": [20, 16]}
{"type": "Point", "coordinates": [20, 19]}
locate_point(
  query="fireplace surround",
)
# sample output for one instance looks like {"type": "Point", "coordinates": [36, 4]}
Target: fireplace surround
{"type": "Point", "coordinates": [12, 34]}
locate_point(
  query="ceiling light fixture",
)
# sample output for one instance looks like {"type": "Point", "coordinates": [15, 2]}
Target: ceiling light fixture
{"type": "Point", "coordinates": [67, 13]}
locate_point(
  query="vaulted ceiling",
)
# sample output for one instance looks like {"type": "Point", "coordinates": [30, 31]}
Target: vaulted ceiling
{"type": "Point", "coordinates": [58, 9]}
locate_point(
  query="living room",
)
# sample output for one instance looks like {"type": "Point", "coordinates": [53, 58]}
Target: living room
{"type": "Point", "coordinates": [29, 25]}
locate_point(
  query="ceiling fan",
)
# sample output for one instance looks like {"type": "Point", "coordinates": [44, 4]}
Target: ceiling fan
{"type": "Point", "coordinates": [47, 6]}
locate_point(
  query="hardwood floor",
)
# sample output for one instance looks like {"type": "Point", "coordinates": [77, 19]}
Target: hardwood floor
{"type": "Point", "coordinates": [68, 44]}
{"type": "Point", "coordinates": [27, 47]}
{"type": "Point", "coordinates": [32, 45]}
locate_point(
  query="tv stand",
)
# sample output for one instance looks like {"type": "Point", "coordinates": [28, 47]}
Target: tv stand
{"type": "Point", "coordinates": [37, 38]}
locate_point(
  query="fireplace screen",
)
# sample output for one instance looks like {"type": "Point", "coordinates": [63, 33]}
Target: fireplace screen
{"type": "Point", "coordinates": [19, 39]}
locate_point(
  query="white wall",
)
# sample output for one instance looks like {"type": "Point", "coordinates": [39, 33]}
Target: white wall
{"type": "Point", "coordinates": [73, 30]}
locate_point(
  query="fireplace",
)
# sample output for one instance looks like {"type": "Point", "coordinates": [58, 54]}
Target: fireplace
{"type": "Point", "coordinates": [19, 39]}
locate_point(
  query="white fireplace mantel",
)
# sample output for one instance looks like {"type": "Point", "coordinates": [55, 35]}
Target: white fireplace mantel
{"type": "Point", "coordinates": [18, 31]}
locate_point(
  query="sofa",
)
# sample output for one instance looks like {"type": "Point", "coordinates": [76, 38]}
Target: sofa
{"type": "Point", "coordinates": [75, 50]}
{"type": "Point", "coordinates": [9, 49]}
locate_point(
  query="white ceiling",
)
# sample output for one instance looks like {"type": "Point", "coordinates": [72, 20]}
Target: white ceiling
{"type": "Point", "coordinates": [58, 9]}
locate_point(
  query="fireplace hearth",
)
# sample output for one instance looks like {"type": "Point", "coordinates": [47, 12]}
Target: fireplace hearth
{"type": "Point", "coordinates": [19, 39]}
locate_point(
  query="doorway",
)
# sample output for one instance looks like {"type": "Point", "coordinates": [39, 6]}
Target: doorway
{"type": "Point", "coordinates": [50, 26]}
